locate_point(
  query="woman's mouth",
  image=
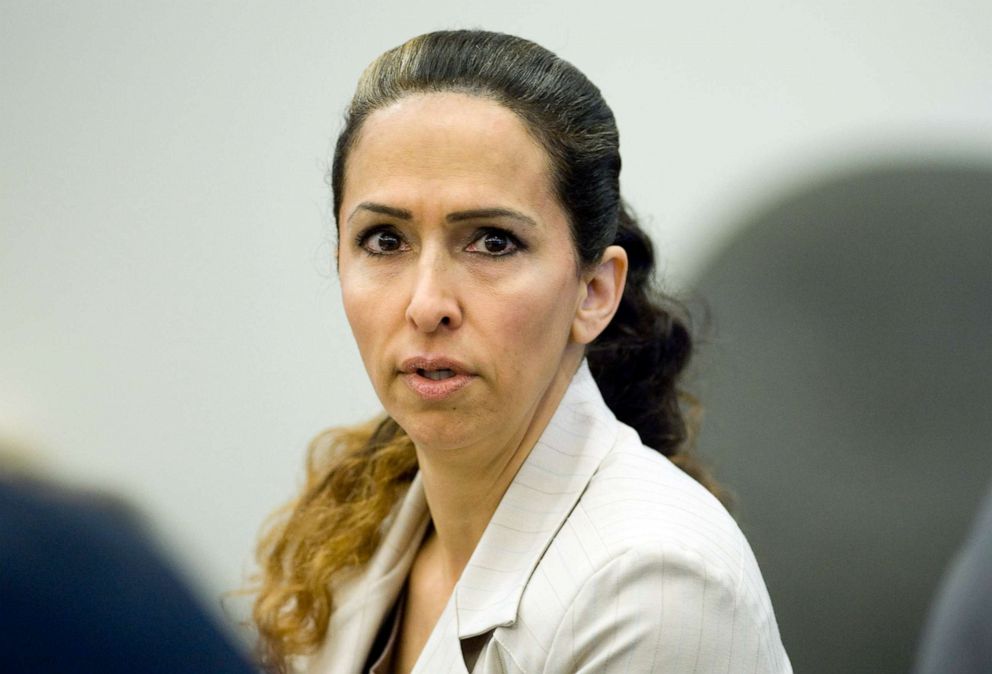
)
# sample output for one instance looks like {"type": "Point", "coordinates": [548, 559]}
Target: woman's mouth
{"type": "Point", "coordinates": [436, 375]}
{"type": "Point", "coordinates": [434, 378]}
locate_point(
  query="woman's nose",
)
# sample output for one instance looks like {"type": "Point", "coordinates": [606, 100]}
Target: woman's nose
{"type": "Point", "coordinates": [433, 298]}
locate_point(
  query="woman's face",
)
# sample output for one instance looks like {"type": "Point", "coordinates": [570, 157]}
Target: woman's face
{"type": "Point", "coordinates": [457, 269]}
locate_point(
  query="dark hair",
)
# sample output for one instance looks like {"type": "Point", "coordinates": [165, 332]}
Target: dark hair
{"type": "Point", "coordinates": [354, 476]}
{"type": "Point", "coordinates": [568, 116]}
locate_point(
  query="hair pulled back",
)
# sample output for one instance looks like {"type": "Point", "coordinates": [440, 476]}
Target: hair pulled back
{"type": "Point", "coordinates": [354, 476]}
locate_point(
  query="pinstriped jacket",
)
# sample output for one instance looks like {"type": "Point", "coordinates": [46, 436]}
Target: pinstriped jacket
{"type": "Point", "coordinates": [601, 557]}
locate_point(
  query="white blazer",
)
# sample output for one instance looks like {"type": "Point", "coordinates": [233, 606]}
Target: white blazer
{"type": "Point", "coordinates": [602, 557]}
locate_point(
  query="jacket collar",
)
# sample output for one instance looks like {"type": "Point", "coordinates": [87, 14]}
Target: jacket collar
{"type": "Point", "coordinates": [534, 508]}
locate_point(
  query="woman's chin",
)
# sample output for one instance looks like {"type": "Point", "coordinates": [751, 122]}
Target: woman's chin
{"type": "Point", "coordinates": [442, 430]}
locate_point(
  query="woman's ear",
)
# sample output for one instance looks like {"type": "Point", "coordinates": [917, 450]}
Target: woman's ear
{"type": "Point", "coordinates": [602, 288]}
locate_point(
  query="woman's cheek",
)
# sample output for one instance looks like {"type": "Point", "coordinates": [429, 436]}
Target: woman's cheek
{"type": "Point", "coordinates": [534, 324]}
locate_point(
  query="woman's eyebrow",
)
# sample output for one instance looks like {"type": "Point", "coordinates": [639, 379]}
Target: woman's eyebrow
{"type": "Point", "coordinates": [459, 216]}
{"type": "Point", "coordinates": [382, 209]}
{"type": "Point", "coordinates": [490, 213]}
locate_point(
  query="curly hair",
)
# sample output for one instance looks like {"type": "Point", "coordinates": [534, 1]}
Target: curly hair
{"type": "Point", "coordinates": [355, 476]}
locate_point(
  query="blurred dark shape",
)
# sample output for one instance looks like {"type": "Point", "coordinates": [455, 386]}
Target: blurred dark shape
{"type": "Point", "coordinates": [83, 589]}
{"type": "Point", "coordinates": [958, 636]}
{"type": "Point", "coordinates": [848, 395]}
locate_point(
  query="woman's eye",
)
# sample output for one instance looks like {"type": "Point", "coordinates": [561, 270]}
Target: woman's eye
{"type": "Point", "coordinates": [495, 242]}
{"type": "Point", "coordinates": [381, 242]}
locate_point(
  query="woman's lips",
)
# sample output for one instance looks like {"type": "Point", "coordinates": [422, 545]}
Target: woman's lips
{"type": "Point", "coordinates": [435, 389]}
{"type": "Point", "coordinates": [434, 377]}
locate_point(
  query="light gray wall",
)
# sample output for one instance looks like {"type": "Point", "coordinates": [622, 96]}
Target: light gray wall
{"type": "Point", "coordinates": [170, 326]}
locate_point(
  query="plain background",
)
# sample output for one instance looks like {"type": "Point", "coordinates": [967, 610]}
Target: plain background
{"type": "Point", "coordinates": [170, 322]}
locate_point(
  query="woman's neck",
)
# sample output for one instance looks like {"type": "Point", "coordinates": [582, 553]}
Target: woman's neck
{"type": "Point", "coordinates": [464, 487]}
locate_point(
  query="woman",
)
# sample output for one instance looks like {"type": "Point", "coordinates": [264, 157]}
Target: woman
{"type": "Point", "coordinates": [502, 517]}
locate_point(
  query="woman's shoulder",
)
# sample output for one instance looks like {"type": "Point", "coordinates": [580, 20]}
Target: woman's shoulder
{"type": "Point", "coordinates": [649, 561]}
{"type": "Point", "coordinates": [638, 500]}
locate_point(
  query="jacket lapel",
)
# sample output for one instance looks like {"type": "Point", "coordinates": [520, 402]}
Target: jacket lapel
{"type": "Point", "coordinates": [534, 508]}
{"type": "Point", "coordinates": [363, 599]}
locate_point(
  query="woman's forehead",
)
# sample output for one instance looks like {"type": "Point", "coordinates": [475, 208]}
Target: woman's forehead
{"type": "Point", "coordinates": [444, 145]}
{"type": "Point", "coordinates": [443, 122]}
